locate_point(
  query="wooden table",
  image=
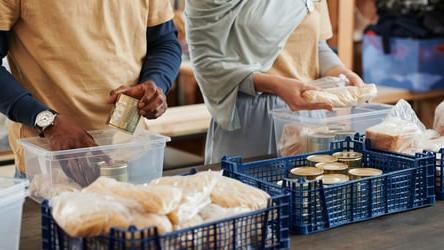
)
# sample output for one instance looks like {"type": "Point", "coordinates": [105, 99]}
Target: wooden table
{"type": "Point", "coordinates": [417, 229]}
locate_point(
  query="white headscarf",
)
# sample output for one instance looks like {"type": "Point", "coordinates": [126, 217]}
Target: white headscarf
{"type": "Point", "coordinates": [231, 39]}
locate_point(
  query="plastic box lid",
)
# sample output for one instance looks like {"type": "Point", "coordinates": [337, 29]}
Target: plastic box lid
{"type": "Point", "coordinates": [109, 139]}
{"type": "Point", "coordinates": [12, 188]}
{"type": "Point", "coordinates": [337, 115]}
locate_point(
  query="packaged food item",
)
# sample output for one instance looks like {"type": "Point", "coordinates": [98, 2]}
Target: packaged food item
{"type": "Point", "coordinates": [315, 159]}
{"type": "Point", "coordinates": [45, 187]}
{"type": "Point", "coordinates": [125, 115]}
{"type": "Point", "coordinates": [90, 214]}
{"type": "Point", "coordinates": [231, 193]}
{"type": "Point", "coordinates": [194, 221]}
{"type": "Point", "coordinates": [438, 123]}
{"type": "Point", "coordinates": [331, 179]}
{"type": "Point", "coordinates": [358, 173]}
{"type": "Point", "coordinates": [160, 199]}
{"type": "Point", "coordinates": [350, 158]}
{"type": "Point", "coordinates": [333, 167]}
{"type": "Point", "coordinates": [342, 96]}
{"type": "Point", "coordinates": [293, 140]}
{"type": "Point", "coordinates": [400, 131]}
{"type": "Point", "coordinates": [196, 190]}
{"type": "Point", "coordinates": [214, 212]}
{"type": "Point", "coordinates": [320, 141]}
{"type": "Point", "coordinates": [145, 220]}
{"type": "Point", "coordinates": [308, 173]}
{"type": "Point", "coordinates": [117, 170]}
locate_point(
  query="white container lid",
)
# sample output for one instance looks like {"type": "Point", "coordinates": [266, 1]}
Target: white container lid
{"type": "Point", "coordinates": [108, 139]}
{"type": "Point", "coordinates": [337, 115]}
{"type": "Point", "coordinates": [12, 189]}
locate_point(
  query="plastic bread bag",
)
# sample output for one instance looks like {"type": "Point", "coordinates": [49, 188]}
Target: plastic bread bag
{"type": "Point", "coordinates": [43, 186]}
{"type": "Point", "coordinates": [146, 220]}
{"type": "Point", "coordinates": [90, 214]}
{"type": "Point", "coordinates": [340, 97]}
{"type": "Point", "coordinates": [214, 212]}
{"type": "Point", "coordinates": [294, 138]}
{"type": "Point", "coordinates": [438, 124]}
{"type": "Point", "coordinates": [401, 131]}
{"type": "Point", "coordinates": [160, 199]}
{"type": "Point", "coordinates": [196, 190]}
{"type": "Point", "coordinates": [330, 82]}
{"type": "Point", "coordinates": [231, 193]}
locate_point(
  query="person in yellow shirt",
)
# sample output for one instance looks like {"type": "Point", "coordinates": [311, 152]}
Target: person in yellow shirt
{"type": "Point", "coordinates": [71, 59]}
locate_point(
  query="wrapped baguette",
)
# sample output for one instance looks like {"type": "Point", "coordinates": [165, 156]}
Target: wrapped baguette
{"type": "Point", "coordinates": [342, 96]}
{"type": "Point", "coordinates": [158, 199]}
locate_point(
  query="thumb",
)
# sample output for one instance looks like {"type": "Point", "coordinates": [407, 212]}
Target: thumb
{"type": "Point", "coordinates": [114, 94]}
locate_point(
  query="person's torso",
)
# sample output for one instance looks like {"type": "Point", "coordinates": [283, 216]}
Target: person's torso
{"type": "Point", "coordinates": [300, 57]}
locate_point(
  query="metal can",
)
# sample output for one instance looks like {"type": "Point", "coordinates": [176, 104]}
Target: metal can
{"type": "Point", "coordinates": [333, 167]}
{"type": "Point", "coordinates": [116, 170]}
{"type": "Point", "coordinates": [351, 158]}
{"type": "Point", "coordinates": [319, 141]}
{"type": "Point", "coordinates": [342, 135]}
{"type": "Point", "coordinates": [315, 159]}
{"type": "Point", "coordinates": [125, 115]}
{"type": "Point", "coordinates": [358, 173]}
{"type": "Point", "coordinates": [331, 179]}
{"type": "Point", "coordinates": [307, 173]}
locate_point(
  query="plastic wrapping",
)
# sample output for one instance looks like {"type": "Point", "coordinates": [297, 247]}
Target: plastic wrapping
{"type": "Point", "coordinates": [196, 193]}
{"type": "Point", "coordinates": [146, 220]}
{"type": "Point", "coordinates": [400, 131]}
{"type": "Point", "coordinates": [231, 193]}
{"type": "Point", "coordinates": [158, 199]}
{"type": "Point", "coordinates": [44, 186]}
{"type": "Point", "coordinates": [342, 96]}
{"type": "Point", "coordinates": [214, 212]}
{"type": "Point", "coordinates": [330, 82]}
{"type": "Point", "coordinates": [438, 124]}
{"type": "Point", "coordinates": [294, 139]}
{"type": "Point", "coordinates": [90, 214]}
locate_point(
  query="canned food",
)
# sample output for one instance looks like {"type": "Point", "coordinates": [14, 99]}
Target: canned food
{"type": "Point", "coordinates": [351, 158]}
{"type": "Point", "coordinates": [342, 135]}
{"type": "Point", "coordinates": [319, 141]}
{"type": "Point", "coordinates": [116, 170]}
{"type": "Point", "coordinates": [308, 173]}
{"type": "Point", "coordinates": [333, 167]}
{"type": "Point", "coordinates": [358, 173]}
{"type": "Point", "coordinates": [331, 179]}
{"type": "Point", "coordinates": [125, 115]}
{"type": "Point", "coordinates": [315, 159]}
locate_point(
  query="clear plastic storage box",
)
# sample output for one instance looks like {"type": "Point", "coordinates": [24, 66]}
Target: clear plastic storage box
{"type": "Point", "coordinates": [12, 196]}
{"type": "Point", "coordinates": [313, 131]}
{"type": "Point", "coordinates": [134, 158]}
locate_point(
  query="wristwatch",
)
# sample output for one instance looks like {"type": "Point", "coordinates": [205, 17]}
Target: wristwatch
{"type": "Point", "coordinates": [44, 120]}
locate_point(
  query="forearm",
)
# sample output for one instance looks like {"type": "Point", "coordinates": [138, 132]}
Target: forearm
{"type": "Point", "coordinates": [163, 58]}
{"type": "Point", "coordinates": [15, 102]}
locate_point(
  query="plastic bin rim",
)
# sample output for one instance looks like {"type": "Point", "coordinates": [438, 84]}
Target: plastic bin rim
{"type": "Point", "coordinates": [20, 184]}
{"type": "Point", "coordinates": [42, 151]}
{"type": "Point", "coordinates": [13, 198]}
{"type": "Point", "coordinates": [290, 115]}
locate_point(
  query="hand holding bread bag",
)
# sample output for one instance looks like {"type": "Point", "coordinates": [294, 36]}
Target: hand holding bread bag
{"type": "Point", "coordinates": [340, 97]}
{"type": "Point", "coordinates": [438, 124]}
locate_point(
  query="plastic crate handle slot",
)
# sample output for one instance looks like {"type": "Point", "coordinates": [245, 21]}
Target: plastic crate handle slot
{"type": "Point", "coordinates": [231, 163]}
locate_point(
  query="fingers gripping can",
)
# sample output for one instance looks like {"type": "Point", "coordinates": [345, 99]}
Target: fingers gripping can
{"type": "Point", "coordinates": [125, 115]}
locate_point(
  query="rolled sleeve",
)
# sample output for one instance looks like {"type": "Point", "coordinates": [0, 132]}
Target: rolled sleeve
{"type": "Point", "coordinates": [247, 86]}
{"type": "Point", "coordinates": [327, 58]}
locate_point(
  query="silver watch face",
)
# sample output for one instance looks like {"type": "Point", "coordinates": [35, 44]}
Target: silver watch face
{"type": "Point", "coordinates": [45, 119]}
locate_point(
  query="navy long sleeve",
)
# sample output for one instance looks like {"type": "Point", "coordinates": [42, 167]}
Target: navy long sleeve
{"type": "Point", "coordinates": [160, 65]}
{"type": "Point", "coordinates": [163, 57]}
{"type": "Point", "coordinates": [15, 101]}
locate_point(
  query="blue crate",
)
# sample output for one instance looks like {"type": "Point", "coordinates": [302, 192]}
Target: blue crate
{"type": "Point", "coordinates": [261, 229]}
{"type": "Point", "coordinates": [407, 183]}
{"type": "Point", "coordinates": [414, 64]}
{"type": "Point", "coordinates": [439, 174]}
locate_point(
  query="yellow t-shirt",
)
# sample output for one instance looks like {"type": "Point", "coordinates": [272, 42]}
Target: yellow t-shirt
{"type": "Point", "coordinates": [70, 54]}
{"type": "Point", "coordinates": [300, 56]}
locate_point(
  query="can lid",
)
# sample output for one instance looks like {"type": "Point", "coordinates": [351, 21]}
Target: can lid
{"type": "Point", "coordinates": [348, 155]}
{"type": "Point", "coordinates": [330, 179]}
{"type": "Point", "coordinates": [365, 172]}
{"type": "Point", "coordinates": [322, 158]}
{"type": "Point", "coordinates": [334, 166]}
{"type": "Point", "coordinates": [116, 168]}
{"type": "Point", "coordinates": [306, 171]}
{"type": "Point", "coordinates": [127, 99]}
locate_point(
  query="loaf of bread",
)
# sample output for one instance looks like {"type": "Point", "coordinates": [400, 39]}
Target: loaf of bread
{"type": "Point", "coordinates": [231, 193]}
{"type": "Point", "coordinates": [393, 135]}
{"type": "Point", "coordinates": [196, 193]}
{"type": "Point", "coordinates": [146, 220]}
{"type": "Point", "coordinates": [293, 140]}
{"type": "Point", "coordinates": [342, 96]}
{"type": "Point", "coordinates": [90, 214]}
{"type": "Point", "coordinates": [48, 186]}
{"type": "Point", "coordinates": [438, 123]}
{"type": "Point", "coordinates": [214, 212]}
{"type": "Point", "coordinates": [158, 199]}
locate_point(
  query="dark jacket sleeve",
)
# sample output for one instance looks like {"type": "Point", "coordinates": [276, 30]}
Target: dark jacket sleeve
{"type": "Point", "coordinates": [15, 102]}
{"type": "Point", "coordinates": [163, 57]}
